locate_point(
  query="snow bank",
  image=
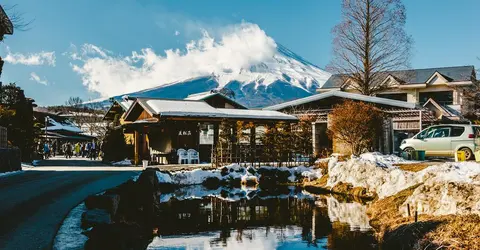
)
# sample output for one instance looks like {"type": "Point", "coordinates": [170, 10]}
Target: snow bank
{"type": "Point", "coordinates": [230, 173]}
{"type": "Point", "coordinates": [378, 177]}
{"type": "Point", "coordinates": [70, 235]}
{"type": "Point", "coordinates": [125, 162]}
{"type": "Point", "coordinates": [450, 188]}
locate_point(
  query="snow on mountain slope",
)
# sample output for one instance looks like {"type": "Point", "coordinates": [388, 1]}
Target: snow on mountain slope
{"type": "Point", "coordinates": [246, 60]}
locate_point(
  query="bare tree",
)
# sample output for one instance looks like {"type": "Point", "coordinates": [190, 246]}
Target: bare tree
{"type": "Point", "coordinates": [369, 41]}
{"type": "Point", "coordinates": [74, 102]}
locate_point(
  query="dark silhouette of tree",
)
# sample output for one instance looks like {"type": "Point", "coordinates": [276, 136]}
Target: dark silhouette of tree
{"type": "Point", "coordinates": [114, 146]}
{"type": "Point", "coordinates": [16, 114]}
{"type": "Point", "coordinates": [369, 41]}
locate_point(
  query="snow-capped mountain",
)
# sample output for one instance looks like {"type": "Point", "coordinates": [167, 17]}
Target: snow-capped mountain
{"type": "Point", "coordinates": [285, 76]}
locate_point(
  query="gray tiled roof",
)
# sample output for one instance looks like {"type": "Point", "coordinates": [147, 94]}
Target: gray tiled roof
{"type": "Point", "coordinates": [413, 76]}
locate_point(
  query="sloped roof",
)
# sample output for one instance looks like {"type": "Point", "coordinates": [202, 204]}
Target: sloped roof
{"type": "Point", "coordinates": [209, 94]}
{"type": "Point", "coordinates": [200, 109]}
{"type": "Point", "coordinates": [346, 95]}
{"type": "Point", "coordinates": [125, 104]}
{"type": "Point", "coordinates": [413, 76]}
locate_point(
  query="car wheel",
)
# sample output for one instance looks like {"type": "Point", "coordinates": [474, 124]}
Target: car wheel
{"type": "Point", "coordinates": [468, 153]}
{"type": "Point", "coordinates": [408, 150]}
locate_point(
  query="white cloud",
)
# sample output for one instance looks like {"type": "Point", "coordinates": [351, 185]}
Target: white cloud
{"type": "Point", "coordinates": [177, 32]}
{"type": "Point", "coordinates": [36, 78]}
{"type": "Point", "coordinates": [40, 58]}
{"type": "Point", "coordinates": [238, 47]}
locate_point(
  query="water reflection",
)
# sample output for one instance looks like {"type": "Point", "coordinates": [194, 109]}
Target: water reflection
{"type": "Point", "coordinates": [282, 218]}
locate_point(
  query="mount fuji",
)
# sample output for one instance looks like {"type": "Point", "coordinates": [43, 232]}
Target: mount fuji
{"type": "Point", "coordinates": [283, 77]}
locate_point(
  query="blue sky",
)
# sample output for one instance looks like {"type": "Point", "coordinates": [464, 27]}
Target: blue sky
{"type": "Point", "coordinates": [446, 33]}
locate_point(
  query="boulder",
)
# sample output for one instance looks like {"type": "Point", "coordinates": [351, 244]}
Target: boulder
{"type": "Point", "coordinates": [118, 236]}
{"type": "Point", "coordinates": [96, 217]}
{"type": "Point", "coordinates": [108, 202]}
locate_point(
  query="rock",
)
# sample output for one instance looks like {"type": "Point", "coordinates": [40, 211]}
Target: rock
{"type": "Point", "coordinates": [211, 183]}
{"type": "Point", "coordinates": [148, 179]}
{"type": "Point", "coordinates": [108, 202]}
{"type": "Point", "coordinates": [118, 236]}
{"type": "Point", "coordinates": [96, 217]}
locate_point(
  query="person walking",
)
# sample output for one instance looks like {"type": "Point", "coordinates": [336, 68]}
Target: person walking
{"type": "Point", "coordinates": [77, 149]}
{"type": "Point", "coordinates": [93, 154]}
{"type": "Point", "coordinates": [54, 148]}
{"type": "Point", "coordinates": [46, 150]}
{"type": "Point", "coordinates": [68, 150]}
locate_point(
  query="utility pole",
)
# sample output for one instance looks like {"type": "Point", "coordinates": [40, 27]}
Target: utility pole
{"type": "Point", "coordinates": [46, 127]}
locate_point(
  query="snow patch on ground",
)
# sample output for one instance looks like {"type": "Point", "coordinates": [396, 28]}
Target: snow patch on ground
{"type": "Point", "coordinates": [125, 162]}
{"type": "Point", "coordinates": [70, 236]}
{"type": "Point", "coordinates": [5, 174]}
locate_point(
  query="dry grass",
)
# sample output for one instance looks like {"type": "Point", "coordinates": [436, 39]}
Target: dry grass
{"type": "Point", "coordinates": [415, 167]}
{"type": "Point", "coordinates": [457, 232]}
{"type": "Point", "coordinates": [384, 213]}
{"type": "Point", "coordinates": [395, 231]}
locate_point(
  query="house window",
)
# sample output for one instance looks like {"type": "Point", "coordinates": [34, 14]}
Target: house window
{"type": "Point", "coordinates": [206, 134]}
{"type": "Point", "coordinates": [441, 97]}
{"type": "Point", "coordinates": [396, 96]}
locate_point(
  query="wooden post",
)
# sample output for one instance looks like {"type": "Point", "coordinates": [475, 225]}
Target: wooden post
{"type": "Point", "coordinates": [416, 215]}
{"type": "Point", "coordinates": [408, 210]}
{"type": "Point", "coordinates": [214, 159]}
{"type": "Point", "coordinates": [253, 144]}
{"type": "Point", "coordinates": [136, 146]}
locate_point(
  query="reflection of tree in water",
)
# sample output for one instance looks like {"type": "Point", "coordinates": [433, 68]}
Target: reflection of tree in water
{"type": "Point", "coordinates": [342, 237]}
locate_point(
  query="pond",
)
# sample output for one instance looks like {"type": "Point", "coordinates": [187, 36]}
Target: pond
{"type": "Point", "coordinates": [282, 218]}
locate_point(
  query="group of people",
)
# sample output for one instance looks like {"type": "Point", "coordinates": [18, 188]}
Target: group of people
{"type": "Point", "coordinates": [69, 149]}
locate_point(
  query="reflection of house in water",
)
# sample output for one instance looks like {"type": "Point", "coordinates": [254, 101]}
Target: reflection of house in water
{"type": "Point", "coordinates": [214, 214]}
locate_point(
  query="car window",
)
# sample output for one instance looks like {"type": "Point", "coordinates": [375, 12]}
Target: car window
{"type": "Point", "coordinates": [457, 131]}
{"type": "Point", "coordinates": [438, 132]}
{"type": "Point", "coordinates": [476, 131]}
{"type": "Point", "coordinates": [422, 134]}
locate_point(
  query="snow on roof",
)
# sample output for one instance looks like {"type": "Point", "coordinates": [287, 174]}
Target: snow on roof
{"type": "Point", "coordinates": [66, 125]}
{"type": "Point", "coordinates": [342, 94]}
{"type": "Point", "coordinates": [205, 95]}
{"type": "Point", "coordinates": [188, 108]}
{"type": "Point", "coordinates": [201, 95]}
{"type": "Point", "coordinates": [125, 104]}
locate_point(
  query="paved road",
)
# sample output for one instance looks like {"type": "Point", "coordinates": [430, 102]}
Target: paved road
{"type": "Point", "coordinates": [33, 204]}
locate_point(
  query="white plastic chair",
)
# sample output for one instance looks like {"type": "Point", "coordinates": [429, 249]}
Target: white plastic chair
{"type": "Point", "coordinates": [193, 156]}
{"type": "Point", "coordinates": [182, 156]}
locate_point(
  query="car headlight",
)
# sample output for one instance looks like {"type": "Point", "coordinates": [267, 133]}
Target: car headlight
{"type": "Point", "coordinates": [403, 141]}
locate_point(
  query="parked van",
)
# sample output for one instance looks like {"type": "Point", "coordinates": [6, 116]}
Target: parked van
{"type": "Point", "coordinates": [444, 140]}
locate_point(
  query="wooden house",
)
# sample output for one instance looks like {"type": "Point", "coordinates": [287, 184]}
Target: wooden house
{"type": "Point", "coordinates": [162, 126]}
